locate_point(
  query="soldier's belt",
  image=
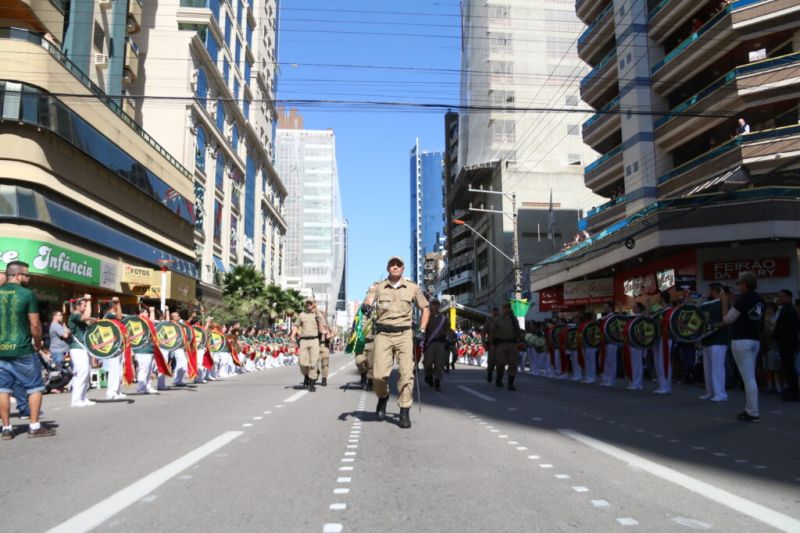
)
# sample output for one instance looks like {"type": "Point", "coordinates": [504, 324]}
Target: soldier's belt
{"type": "Point", "coordinates": [436, 340]}
{"type": "Point", "coordinates": [309, 338]}
{"type": "Point", "coordinates": [501, 341]}
{"type": "Point", "coordinates": [380, 328]}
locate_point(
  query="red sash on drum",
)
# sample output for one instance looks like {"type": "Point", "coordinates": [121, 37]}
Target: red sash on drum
{"type": "Point", "coordinates": [581, 354]}
{"type": "Point", "coordinates": [562, 350]}
{"type": "Point", "coordinates": [601, 350]}
{"type": "Point", "coordinates": [191, 351]}
{"type": "Point", "coordinates": [665, 319]}
{"type": "Point", "coordinates": [550, 349]}
{"type": "Point", "coordinates": [161, 362]}
{"type": "Point", "coordinates": [128, 375]}
{"type": "Point", "coordinates": [627, 363]}
{"type": "Point", "coordinates": [234, 352]}
{"type": "Point", "coordinates": [208, 361]}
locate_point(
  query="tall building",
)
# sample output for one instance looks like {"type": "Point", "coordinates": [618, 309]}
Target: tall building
{"type": "Point", "coordinates": [427, 207]}
{"type": "Point", "coordinates": [315, 242]}
{"type": "Point", "coordinates": [215, 61]}
{"type": "Point", "coordinates": [91, 200]}
{"type": "Point", "coordinates": [695, 193]}
{"type": "Point", "coordinates": [519, 133]}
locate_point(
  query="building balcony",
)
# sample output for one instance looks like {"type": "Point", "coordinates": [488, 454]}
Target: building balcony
{"type": "Point", "coordinates": [43, 16]}
{"type": "Point", "coordinates": [603, 215]}
{"type": "Point", "coordinates": [760, 152]}
{"type": "Point", "coordinates": [131, 61]}
{"type": "Point", "coordinates": [462, 278]}
{"type": "Point", "coordinates": [605, 170]}
{"type": "Point", "coordinates": [602, 124]}
{"type": "Point", "coordinates": [600, 80]}
{"type": "Point", "coordinates": [739, 21]}
{"type": "Point", "coordinates": [587, 10]}
{"type": "Point", "coordinates": [599, 32]}
{"type": "Point", "coordinates": [755, 84]}
{"type": "Point", "coordinates": [461, 246]}
{"type": "Point", "coordinates": [134, 22]}
{"type": "Point", "coordinates": [668, 15]}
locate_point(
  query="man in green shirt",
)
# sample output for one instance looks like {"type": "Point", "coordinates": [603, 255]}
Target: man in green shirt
{"type": "Point", "coordinates": [20, 340]}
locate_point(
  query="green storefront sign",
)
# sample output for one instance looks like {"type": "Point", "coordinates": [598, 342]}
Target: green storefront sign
{"type": "Point", "coordinates": [51, 260]}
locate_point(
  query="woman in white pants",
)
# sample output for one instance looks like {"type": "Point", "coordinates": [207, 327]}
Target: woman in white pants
{"type": "Point", "coordinates": [745, 320]}
{"type": "Point", "coordinates": [78, 322]}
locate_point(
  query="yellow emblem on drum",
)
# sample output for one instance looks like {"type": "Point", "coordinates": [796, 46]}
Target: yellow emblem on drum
{"type": "Point", "coordinates": [102, 339]}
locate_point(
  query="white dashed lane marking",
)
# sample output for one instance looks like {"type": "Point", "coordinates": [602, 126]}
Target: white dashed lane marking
{"type": "Point", "coordinates": [294, 397]}
{"type": "Point", "coordinates": [338, 506]}
{"type": "Point", "coordinates": [476, 393]}
{"type": "Point", "coordinates": [332, 528]}
{"type": "Point", "coordinates": [627, 521]}
{"type": "Point", "coordinates": [600, 503]}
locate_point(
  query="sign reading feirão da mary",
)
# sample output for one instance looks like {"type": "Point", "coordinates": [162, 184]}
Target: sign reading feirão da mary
{"type": "Point", "coordinates": [51, 260]}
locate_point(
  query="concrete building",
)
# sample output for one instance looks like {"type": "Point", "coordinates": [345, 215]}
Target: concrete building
{"type": "Point", "coordinates": [427, 208]}
{"type": "Point", "coordinates": [216, 63]}
{"type": "Point", "coordinates": [694, 195]}
{"type": "Point", "coordinates": [519, 132]}
{"type": "Point", "coordinates": [90, 200]}
{"type": "Point", "coordinates": [315, 242]}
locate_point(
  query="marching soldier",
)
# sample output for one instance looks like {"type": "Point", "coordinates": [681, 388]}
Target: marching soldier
{"type": "Point", "coordinates": [487, 328]}
{"type": "Point", "coordinates": [325, 353]}
{"type": "Point", "coordinates": [365, 358]}
{"type": "Point", "coordinates": [436, 337]}
{"type": "Point", "coordinates": [307, 328]}
{"type": "Point", "coordinates": [505, 334]}
{"type": "Point", "coordinates": [394, 299]}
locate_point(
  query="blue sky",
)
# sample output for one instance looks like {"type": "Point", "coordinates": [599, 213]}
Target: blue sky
{"type": "Point", "coordinates": [372, 144]}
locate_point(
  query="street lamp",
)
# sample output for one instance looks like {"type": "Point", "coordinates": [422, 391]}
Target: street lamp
{"type": "Point", "coordinates": [459, 222]}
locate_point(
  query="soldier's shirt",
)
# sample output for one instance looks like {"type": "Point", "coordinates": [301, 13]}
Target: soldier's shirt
{"type": "Point", "coordinates": [503, 328]}
{"type": "Point", "coordinates": [433, 323]}
{"type": "Point", "coordinates": [307, 324]}
{"type": "Point", "coordinates": [395, 304]}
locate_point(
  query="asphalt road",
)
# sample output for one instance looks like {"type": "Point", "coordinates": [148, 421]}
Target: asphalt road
{"type": "Point", "coordinates": [256, 453]}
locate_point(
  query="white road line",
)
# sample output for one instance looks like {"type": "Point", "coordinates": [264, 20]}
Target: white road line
{"type": "Point", "coordinates": [341, 491]}
{"type": "Point", "coordinates": [247, 425]}
{"type": "Point", "coordinates": [102, 511]}
{"type": "Point", "coordinates": [352, 446]}
{"type": "Point", "coordinates": [737, 503]}
{"type": "Point", "coordinates": [349, 453]}
{"type": "Point", "coordinates": [600, 503]}
{"type": "Point", "coordinates": [521, 448]}
{"type": "Point", "coordinates": [258, 418]}
{"type": "Point", "coordinates": [580, 489]}
{"type": "Point", "coordinates": [562, 476]}
{"type": "Point", "coordinates": [332, 528]}
{"type": "Point", "coordinates": [691, 523]}
{"type": "Point", "coordinates": [477, 394]}
{"type": "Point", "coordinates": [627, 521]}
{"type": "Point", "coordinates": [533, 457]}
{"type": "Point", "coordinates": [348, 460]}
{"type": "Point", "coordinates": [338, 506]}
{"type": "Point", "coordinates": [512, 442]}
{"type": "Point", "coordinates": [344, 479]}
{"type": "Point", "coordinates": [544, 465]}
{"type": "Point", "coordinates": [294, 397]}
{"type": "Point", "coordinates": [345, 468]}
{"type": "Point", "coordinates": [267, 412]}
{"type": "Point", "coordinates": [332, 374]}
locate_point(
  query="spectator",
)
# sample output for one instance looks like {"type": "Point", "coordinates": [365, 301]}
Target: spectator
{"type": "Point", "coordinates": [743, 128]}
{"type": "Point", "coordinates": [784, 334]}
{"type": "Point", "coordinates": [696, 24]}
{"type": "Point", "coordinates": [770, 360]}
{"type": "Point", "coordinates": [20, 339]}
{"type": "Point", "coordinates": [59, 337]}
{"type": "Point", "coordinates": [746, 319]}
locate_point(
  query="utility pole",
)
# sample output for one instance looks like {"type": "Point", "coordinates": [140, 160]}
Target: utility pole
{"type": "Point", "coordinates": [514, 237]}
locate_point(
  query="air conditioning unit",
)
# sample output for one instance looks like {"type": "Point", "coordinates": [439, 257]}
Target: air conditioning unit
{"type": "Point", "coordinates": [104, 4]}
{"type": "Point", "coordinates": [101, 60]}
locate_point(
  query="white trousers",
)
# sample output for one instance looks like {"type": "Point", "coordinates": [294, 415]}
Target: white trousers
{"type": "Point", "coordinates": [181, 367]}
{"type": "Point", "coordinates": [80, 375]}
{"type": "Point", "coordinates": [610, 365]}
{"type": "Point", "coordinates": [114, 378]}
{"type": "Point", "coordinates": [664, 377]}
{"type": "Point", "coordinates": [225, 364]}
{"type": "Point", "coordinates": [714, 370]}
{"type": "Point", "coordinates": [637, 368]}
{"type": "Point", "coordinates": [145, 362]}
{"type": "Point", "coordinates": [201, 370]}
{"type": "Point", "coordinates": [745, 352]}
{"type": "Point", "coordinates": [577, 372]}
{"type": "Point", "coordinates": [590, 355]}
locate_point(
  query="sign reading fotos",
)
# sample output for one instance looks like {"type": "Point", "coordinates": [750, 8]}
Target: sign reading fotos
{"type": "Point", "coordinates": [58, 262]}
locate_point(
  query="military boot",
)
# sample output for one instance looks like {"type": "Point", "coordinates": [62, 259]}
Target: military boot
{"type": "Point", "coordinates": [405, 418]}
{"type": "Point", "coordinates": [381, 409]}
{"type": "Point", "coordinates": [305, 382]}
{"type": "Point", "coordinates": [369, 384]}
{"type": "Point", "coordinates": [511, 383]}
{"type": "Point", "coordinates": [324, 382]}
{"type": "Point", "coordinates": [312, 385]}
{"type": "Point", "coordinates": [364, 380]}
{"type": "Point", "coordinates": [499, 380]}
{"type": "Point", "coordinates": [429, 380]}
{"type": "Point", "coordinates": [488, 376]}
{"type": "Point", "coordinates": [437, 385]}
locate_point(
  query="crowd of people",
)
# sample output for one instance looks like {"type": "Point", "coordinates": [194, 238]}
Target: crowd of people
{"type": "Point", "coordinates": [154, 350]}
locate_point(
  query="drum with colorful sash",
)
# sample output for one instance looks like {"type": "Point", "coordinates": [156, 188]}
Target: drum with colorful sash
{"type": "Point", "coordinates": [555, 333]}
{"type": "Point", "coordinates": [614, 328]}
{"type": "Point", "coordinates": [105, 339]}
{"type": "Point", "coordinates": [216, 341]}
{"type": "Point", "coordinates": [138, 331]}
{"type": "Point", "coordinates": [572, 337]}
{"type": "Point", "coordinates": [643, 332]}
{"type": "Point", "coordinates": [592, 334]}
{"type": "Point", "coordinates": [200, 337]}
{"type": "Point", "coordinates": [170, 336]}
{"type": "Point", "coordinates": [687, 323]}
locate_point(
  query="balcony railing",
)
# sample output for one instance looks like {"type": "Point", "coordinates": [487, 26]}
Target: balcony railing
{"type": "Point", "coordinates": [750, 68]}
{"type": "Point", "coordinates": [589, 168]}
{"type": "Point", "coordinates": [772, 134]}
{"type": "Point", "coordinates": [611, 203]}
{"type": "Point", "coordinates": [24, 35]}
{"type": "Point", "coordinates": [612, 56]}
{"type": "Point", "coordinates": [601, 113]}
{"type": "Point", "coordinates": [593, 26]}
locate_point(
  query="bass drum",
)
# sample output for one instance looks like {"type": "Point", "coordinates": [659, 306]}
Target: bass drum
{"type": "Point", "coordinates": [687, 323]}
{"type": "Point", "coordinates": [216, 341]}
{"type": "Point", "coordinates": [572, 338]}
{"type": "Point", "coordinates": [200, 337]}
{"type": "Point", "coordinates": [614, 329]}
{"type": "Point", "coordinates": [104, 339]}
{"type": "Point", "coordinates": [591, 334]}
{"type": "Point", "coordinates": [170, 336]}
{"type": "Point", "coordinates": [555, 333]}
{"type": "Point", "coordinates": [643, 332]}
{"type": "Point", "coordinates": [138, 331]}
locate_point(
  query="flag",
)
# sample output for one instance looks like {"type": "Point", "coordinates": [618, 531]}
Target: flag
{"type": "Point", "coordinates": [551, 220]}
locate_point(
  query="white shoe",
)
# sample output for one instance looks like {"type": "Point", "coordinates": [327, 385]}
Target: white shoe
{"type": "Point", "coordinates": [705, 397]}
{"type": "Point", "coordinates": [661, 391]}
{"type": "Point", "coordinates": [719, 399]}
{"type": "Point", "coordinates": [588, 381]}
{"type": "Point", "coordinates": [633, 387]}
{"type": "Point", "coordinates": [83, 403]}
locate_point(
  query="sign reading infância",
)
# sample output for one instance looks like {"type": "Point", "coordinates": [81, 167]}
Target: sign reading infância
{"type": "Point", "coordinates": [51, 260]}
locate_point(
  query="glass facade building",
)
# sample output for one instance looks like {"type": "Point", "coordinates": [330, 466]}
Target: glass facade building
{"type": "Point", "coordinates": [427, 207]}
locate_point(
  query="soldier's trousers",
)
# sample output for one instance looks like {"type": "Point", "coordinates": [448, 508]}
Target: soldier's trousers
{"type": "Point", "coordinates": [435, 359]}
{"type": "Point", "coordinates": [309, 357]}
{"type": "Point", "coordinates": [365, 360]}
{"type": "Point", "coordinates": [324, 360]}
{"type": "Point", "coordinates": [391, 347]}
{"type": "Point", "coordinates": [506, 354]}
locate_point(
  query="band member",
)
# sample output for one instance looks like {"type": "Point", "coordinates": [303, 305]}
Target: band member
{"type": "Point", "coordinates": [436, 346]}
{"type": "Point", "coordinates": [143, 353]}
{"type": "Point", "coordinates": [715, 345]}
{"type": "Point", "coordinates": [79, 320]}
{"type": "Point", "coordinates": [308, 327]}
{"type": "Point", "coordinates": [636, 354]}
{"type": "Point", "coordinates": [609, 369]}
{"type": "Point", "coordinates": [181, 362]}
{"type": "Point", "coordinates": [589, 353]}
{"type": "Point", "coordinates": [661, 351]}
{"type": "Point", "coordinates": [113, 365]}
{"type": "Point", "coordinates": [394, 299]}
{"type": "Point", "coordinates": [505, 334]}
{"type": "Point", "coordinates": [487, 328]}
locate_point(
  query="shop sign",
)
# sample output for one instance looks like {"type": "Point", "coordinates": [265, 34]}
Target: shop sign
{"type": "Point", "coordinates": [136, 275]}
{"type": "Point", "coordinates": [665, 279]}
{"type": "Point", "coordinates": [634, 287]}
{"type": "Point", "coordinates": [552, 299]}
{"type": "Point", "coordinates": [766, 267]}
{"type": "Point", "coordinates": [180, 288]}
{"type": "Point", "coordinates": [55, 261]}
{"type": "Point", "coordinates": [686, 282]}
{"type": "Point", "coordinates": [590, 291]}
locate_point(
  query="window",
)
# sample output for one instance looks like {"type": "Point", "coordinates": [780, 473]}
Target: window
{"type": "Point", "coordinates": [573, 129]}
{"type": "Point", "coordinates": [237, 57]}
{"type": "Point", "coordinates": [226, 71]}
{"type": "Point", "coordinates": [201, 90]}
{"type": "Point", "coordinates": [239, 9]}
{"type": "Point", "coordinates": [219, 180]}
{"type": "Point", "coordinates": [234, 237]}
{"type": "Point", "coordinates": [200, 149]}
{"type": "Point", "coordinates": [502, 70]}
{"type": "Point", "coordinates": [99, 38]}
{"type": "Point", "coordinates": [573, 159]}
{"type": "Point", "coordinates": [571, 100]}
{"type": "Point", "coordinates": [503, 131]}
{"type": "Point", "coordinates": [499, 42]}
{"type": "Point", "coordinates": [217, 222]}
{"type": "Point", "coordinates": [558, 46]}
{"type": "Point", "coordinates": [247, 73]}
{"type": "Point", "coordinates": [220, 116]}
{"type": "Point", "coordinates": [214, 6]}
{"type": "Point", "coordinates": [499, 13]}
{"type": "Point", "coordinates": [236, 88]}
{"type": "Point", "coordinates": [249, 35]}
{"type": "Point", "coordinates": [246, 108]}
{"type": "Point", "coordinates": [228, 30]}
{"type": "Point", "coordinates": [501, 98]}
{"type": "Point", "coordinates": [235, 137]}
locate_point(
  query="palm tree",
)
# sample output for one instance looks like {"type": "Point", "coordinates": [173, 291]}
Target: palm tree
{"type": "Point", "coordinates": [244, 282]}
